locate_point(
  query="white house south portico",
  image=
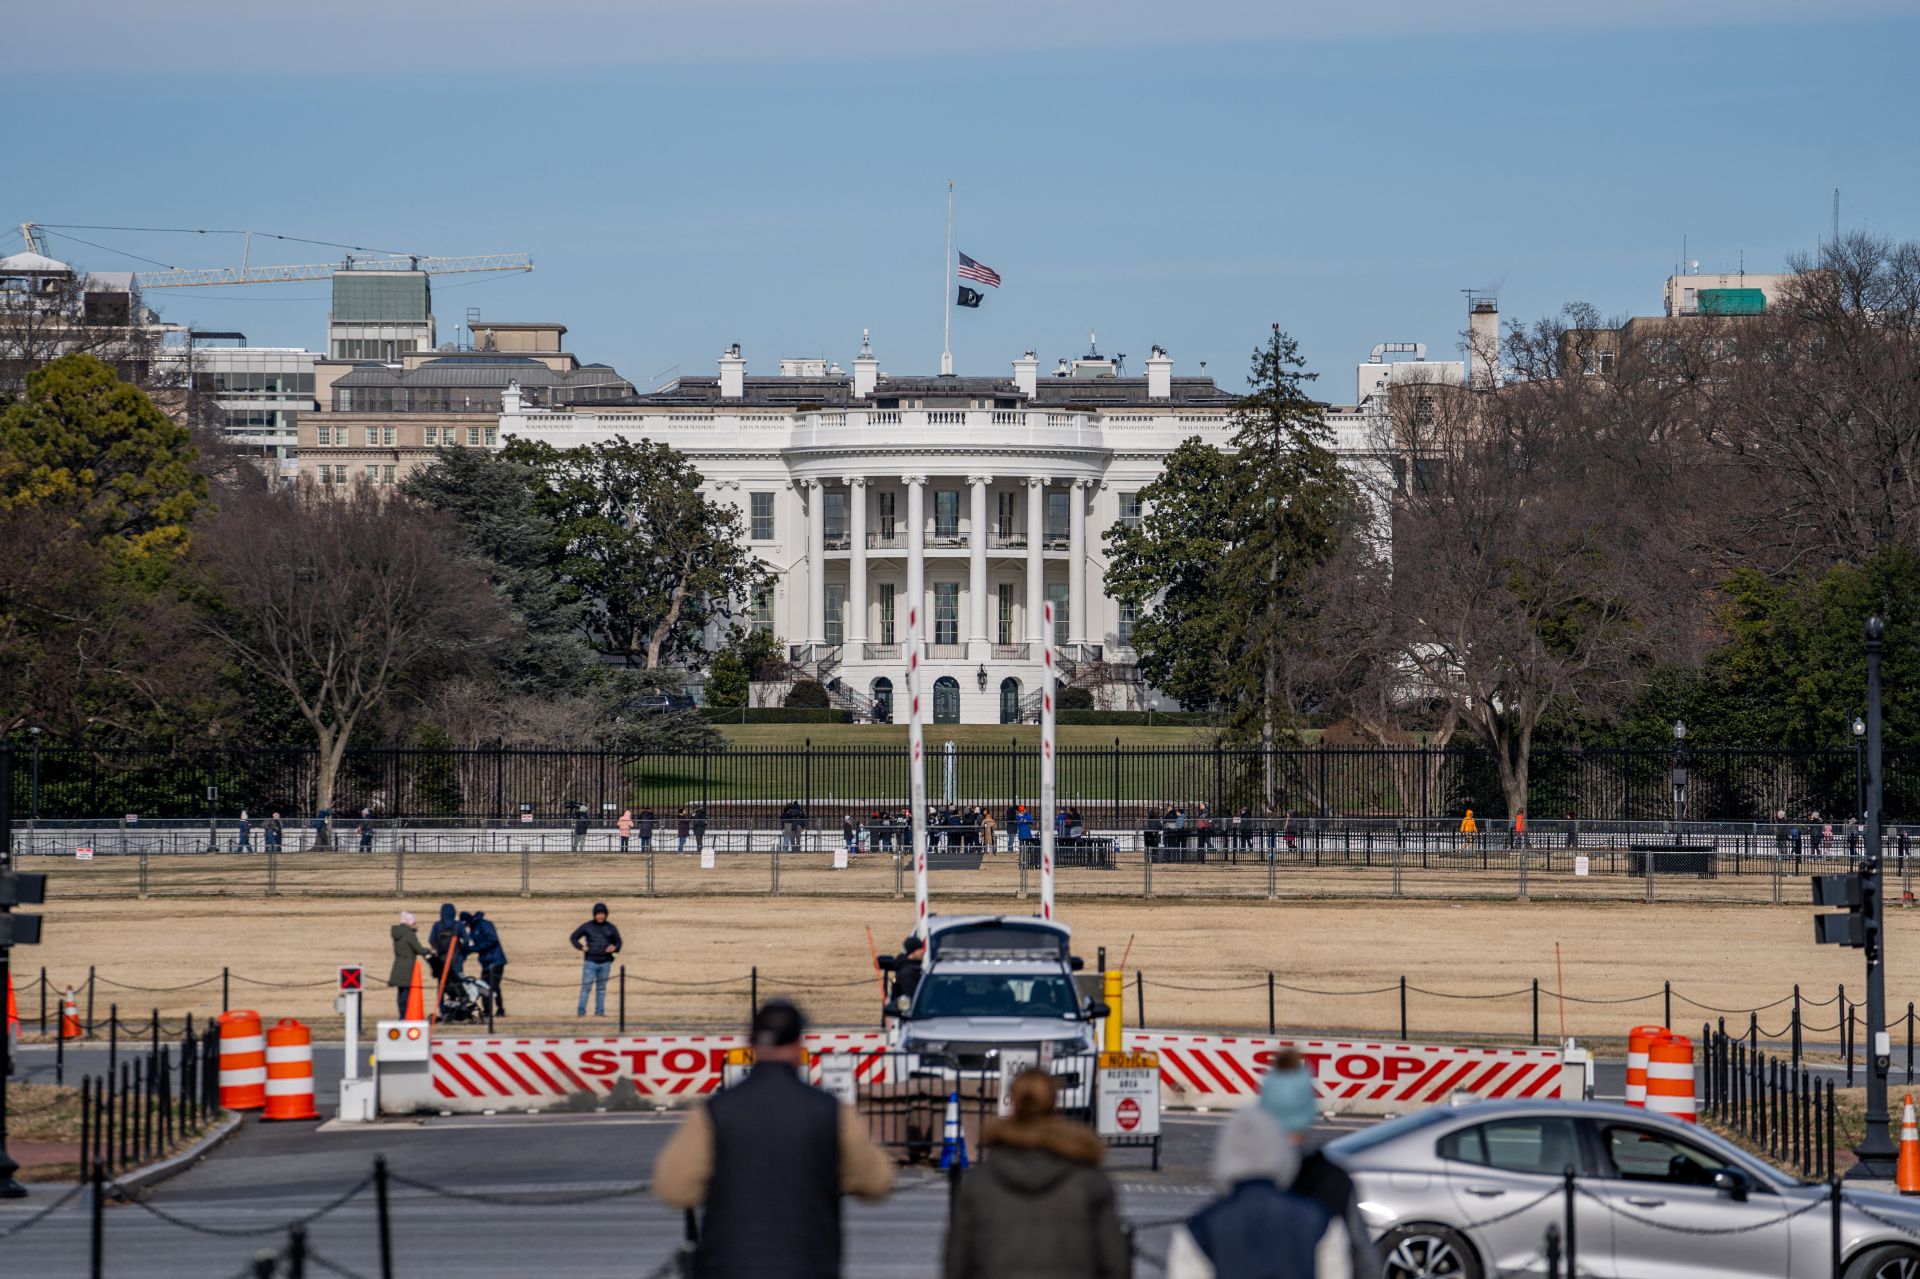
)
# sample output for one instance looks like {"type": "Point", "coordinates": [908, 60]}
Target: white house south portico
{"type": "Point", "coordinates": [981, 498]}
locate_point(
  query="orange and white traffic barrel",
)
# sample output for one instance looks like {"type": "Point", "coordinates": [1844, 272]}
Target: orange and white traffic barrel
{"type": "Point", "coordinates": [290, 1072]}
{"type": "Point", "coordinates": [70, 1027]}
{"type": "Point", "coordinates": [1670, 1079]}
{"type": "Point", "coordinates": [1639, 1040]}
{"type": "Point", "coordinates": [243, 1061]}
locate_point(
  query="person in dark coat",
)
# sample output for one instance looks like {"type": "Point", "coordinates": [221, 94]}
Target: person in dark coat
{"type": "Point", "coordinates": [1038, 1206]}
{"type": "Point", "coordinates": [767, 1161]}
{"type": "Point", "coordinates": [907, 969]}
{"type": "Point", "coordinates": [598, 941]}
{"type": "Point", "coordinates": [490, 955]}
{"type": "Point", "coordinates": [406, 947]}
{"type": "Point", "coordinates": [1261, 1226]}
{"type": "Point", "coordinates": [448, 937]}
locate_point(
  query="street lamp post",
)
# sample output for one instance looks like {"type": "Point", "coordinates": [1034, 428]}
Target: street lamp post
{"type": "Point", "coordinates": [1876, 1150]}
{"type": "Point", "coordinates": [1679, 774]}
{"type": "Point", "coordinates": [34, 734]}
{"type": "Point", "coordinates": [1859, 768]}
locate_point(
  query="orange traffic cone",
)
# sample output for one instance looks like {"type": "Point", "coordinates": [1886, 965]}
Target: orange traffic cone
{"type": "Point", "coordinates": [1906, 1173]}
{"type": "Point", "coordinates": [416, 993]}
{"type": "Point", "coordinates": [70, 1016]}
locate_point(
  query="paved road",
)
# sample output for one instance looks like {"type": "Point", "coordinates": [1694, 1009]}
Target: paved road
{"type": "Point", "coordinates": [268, 1174]}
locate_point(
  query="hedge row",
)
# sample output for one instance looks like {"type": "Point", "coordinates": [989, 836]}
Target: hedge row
{"type": "Point", "coordinates": [774, 715]}
{"type": "Point", "coordinates": [1197, 719]}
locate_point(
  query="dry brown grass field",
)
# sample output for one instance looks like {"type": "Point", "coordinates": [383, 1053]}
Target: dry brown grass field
{"type": "Point", "coordinates": [1204, 961]}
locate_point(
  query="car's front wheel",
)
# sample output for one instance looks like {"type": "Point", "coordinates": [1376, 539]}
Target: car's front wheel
{"type": "Point", "coordinates": [1428, 1252]}
{"type": "Point", "coordinates": [1888, 1261]}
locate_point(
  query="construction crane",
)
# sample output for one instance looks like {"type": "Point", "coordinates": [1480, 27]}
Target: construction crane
{"type": "Point", "coordinates": [204, 277]}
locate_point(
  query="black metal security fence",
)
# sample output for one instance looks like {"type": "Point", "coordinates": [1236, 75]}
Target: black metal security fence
{"type": "Point", "coordinates": [1111, 786]}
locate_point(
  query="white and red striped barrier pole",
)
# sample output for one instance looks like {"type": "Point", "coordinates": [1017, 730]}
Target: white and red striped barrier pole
{"type": "Point", "coordinates": [917, 770]}
{"type": "Point", "coordinates": [1048, 733]}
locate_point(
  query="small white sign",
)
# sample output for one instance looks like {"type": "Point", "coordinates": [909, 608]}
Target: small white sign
{"type": "Point", "coordinates": [1014, 1062]}
{"type": "Point", "coordinates": [131, 818]}
{"type": "Point", "coordinates": [526, 819]}
{"type": "Point", "coordinates": [1582, 864]}
{"type": "Point", "coordinates": [839, 856]}
{"type": "Point", "coordinates": [836, 1076]}
{"type": "Point", "coordinates": [1128, 1103]}
{"type": "Point", "coordinates": [706, 858]}
{"type": "Point", "coordinates": [83, 854]}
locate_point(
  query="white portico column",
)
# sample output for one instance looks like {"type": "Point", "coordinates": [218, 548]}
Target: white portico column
{"type": "Point", "coordinates": [856, 627]}
{"type": "Point", "coordinates": [978, 644]}
{"type": "Point", "coordinates": [1036, 560]}
{"type": "Point", "coordinates": [816, 561]}
{"type": "Point", "coordinates": [916, 550]}
{"type": "Point", "coordinates": [1077, 564]}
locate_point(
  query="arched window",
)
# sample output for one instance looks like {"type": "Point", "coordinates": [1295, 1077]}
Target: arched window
{"type": "Point", "coordinates": [882, 695]}
{"type": "Point", "coordinates": [1009, 700]}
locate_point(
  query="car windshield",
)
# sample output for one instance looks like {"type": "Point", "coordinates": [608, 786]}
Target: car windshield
{"type": "Point", "coordinates": [996, 995]}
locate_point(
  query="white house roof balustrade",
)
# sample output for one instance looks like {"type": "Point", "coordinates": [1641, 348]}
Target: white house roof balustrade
{"type": "Point", "coordinates": [987, 497]}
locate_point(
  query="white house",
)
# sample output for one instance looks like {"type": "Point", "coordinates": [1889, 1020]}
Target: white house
{"type": "Point", "coordinates": [981, 497]}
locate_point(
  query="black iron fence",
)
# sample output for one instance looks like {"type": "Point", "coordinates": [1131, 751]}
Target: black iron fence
{"type": "Point", "coordinates": [1111, 786]}
{"type": "Point", "coordinates": [1776, 1104]}
{"type": "Point", "coordinates": [147, 1101]}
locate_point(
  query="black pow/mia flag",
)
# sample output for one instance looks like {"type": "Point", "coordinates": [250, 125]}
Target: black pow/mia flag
{"type": "Point", "coordinates": [969, 297]}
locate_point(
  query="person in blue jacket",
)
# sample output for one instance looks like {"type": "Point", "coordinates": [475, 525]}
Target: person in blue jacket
{"type": "Point", "coordinates": [491, 956]}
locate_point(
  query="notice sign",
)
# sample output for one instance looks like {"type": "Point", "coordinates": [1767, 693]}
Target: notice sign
{"type": "Point", "coordinates": [706, 857]}
{"type": "Point", "coordinates": [837, 1076]}
{"type": "Point", "coordinates": [83, 854]}
{"type": "Point", "coordinates": [1127, 1095]}
{"type": "Point", "coordinates": [526, 819]}
{"type": "Point", "coordinates": [1582, 864]}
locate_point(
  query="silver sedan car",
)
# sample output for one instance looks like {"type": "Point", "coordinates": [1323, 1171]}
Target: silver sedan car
{"type": "Point", "coordinates": [1467, 1192]}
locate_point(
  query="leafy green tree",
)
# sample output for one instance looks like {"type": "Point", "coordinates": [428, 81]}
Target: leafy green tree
{"type": "Point", "coordinates": [494, 503]}
{"type": "Point", "coordinates": [1223, 567]}
{"type": "Point", "coordinates": [1165, 567]}
{"type": "Point", "coordinates": [650, 560]}
{"type": "Point", "coordinates": [731, 672]}
{"type": "Point", "coordinates": [84, 442]}
{"type": "Point", "coordinates": [808, 693]}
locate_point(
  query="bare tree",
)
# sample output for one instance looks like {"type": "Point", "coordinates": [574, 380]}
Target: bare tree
{"type": "Point", "coordinates": [1532, 565]}
{"type": "Point", "coordinates": [348, 605]}
{"type": "Point", "coordinates": [1820, 409]}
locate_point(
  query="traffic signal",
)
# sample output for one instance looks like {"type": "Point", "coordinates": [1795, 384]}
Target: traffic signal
{"type": "Point", "coordinates": [20, 888]}
{"type": "Point", "coordinates": [1853, 892]}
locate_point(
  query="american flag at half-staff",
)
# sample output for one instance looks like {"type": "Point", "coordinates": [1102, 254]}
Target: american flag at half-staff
{"type": "Point", "coordinates": [971, 270]}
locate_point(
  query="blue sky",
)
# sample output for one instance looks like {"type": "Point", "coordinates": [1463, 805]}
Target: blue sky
{"type": "Point", "coordinates": [692, 174]}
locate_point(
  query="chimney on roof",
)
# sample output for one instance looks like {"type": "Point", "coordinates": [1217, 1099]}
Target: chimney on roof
{"type": "Point", "coordinates": [1026, 374]}
{"type": "Point", "coordinates": [1159, 374]}
{"type": "Point", "coordinates": [866, 369]}
{"type": "Point", "coordinates": [1483, 342]}
{"type": "Point", "coordinates": [733, 373]}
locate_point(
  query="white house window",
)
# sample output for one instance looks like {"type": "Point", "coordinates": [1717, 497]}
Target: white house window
{"type": "Point", "coordinates": [1003, 623]}
{"type": "Point", "coordinates": [1130, 510]}
{"type": "Point", "coordinates": [1059, 516]}
{"type": "Point", "coordinates": [946, 513]}
{"type": "Point", "coordinates": [834, 517]}
{"type": "Point", "coordinates": [1005, 504]}
{"type": "Point", "coordinates": [1128, 616]}
{"type": "Point", "coordinates": [886, 614]}
{"type": "Point", "coordinates": [763, 609]}
{"type": "Point", "coordinates": [946, 612]}
{"type": "Point", "coordinates": [1057, 596]}
{"type": "Point", "coordinates": [762, 512]}
{"type": "Point", "coordinates": [887, 519]}
{"type": "Point", "coordinates": [836, 614]}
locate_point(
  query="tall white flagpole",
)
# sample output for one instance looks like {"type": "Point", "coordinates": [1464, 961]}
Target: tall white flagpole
{"type": "Point", "coordinates": [1047, 743]}
{"type": "Point", "coordinates": [917, 771]}
{"type": "Point", "coordinates": [946, 290]}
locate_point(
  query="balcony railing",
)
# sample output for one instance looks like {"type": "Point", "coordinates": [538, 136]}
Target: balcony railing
{"type": "Point", "coordinates": [947, 651]}
{"type": "Point", "coordinates": [1010, 652]}
{"type": "Point", "coordinates": [880, 652]}
{"type": "Point", "coordinates": [894, 541]}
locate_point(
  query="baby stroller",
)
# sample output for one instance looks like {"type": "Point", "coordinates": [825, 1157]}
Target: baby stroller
{"type": "Point", "coordinates": [465, 1001]}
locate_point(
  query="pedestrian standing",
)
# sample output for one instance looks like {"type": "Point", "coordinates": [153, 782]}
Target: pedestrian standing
{"type": "Point", "coordinates": [320, 828]}
{"type": "Point", "coordinates": [1260, 1225]}
{"type": "Point", "coordinates": [1573, 829]}
{"type": "Point", "coordinates": [625, 827]}
{"type": "Point", "coordinates": [366, 830]}
{"type": "Point", "coordinates": [1038, 1206]}
{"type": "Point", "coordinates": [246, 833]}
{"type": "Point", "coordinates": [1012, 824]}
{"type": "Point", "coordinates": [643, 828]}
{"type": "Point", "coordinates": [989, 833]}
{"type": "Point", "coordinates": [1469, 830]}
{"type": "Point", "coordinates": [682, 825]}
{"type": "Point", "coordinates": [276, 833]}
{"type": "Point", "coordinates": [767, 1161]}
{"type": "Point", "coordinates": [579, 828]}
{"type": "Point", "coordinates": [448, 938]}
{"type": "Point", "coordinates": [849, 835]}
{"type": "Point", "coordinates": [598, 941]}
{"type": "Point", "coordinates": [491, 956]}
{"type": "Point", "coordinates": [699, 828]}
{"type": "Point", "coordinates": [406, 948]}
{"type": "Point", "coordinates": [1518, 838]}
{"type": "Point", "coordinates": [1289, 1098]}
